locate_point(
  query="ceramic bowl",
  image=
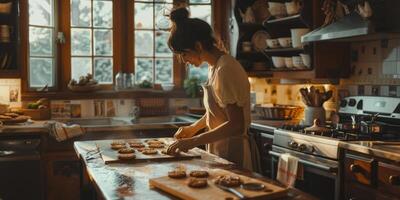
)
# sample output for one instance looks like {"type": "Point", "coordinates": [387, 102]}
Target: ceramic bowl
{"type": "Point", "coordinates": [273, 43]}
{"type": "Point", "coordinates": [279, 62]}
{"type": "Point", "coordinates": [277, 9]}
{"type": "Point", "coordinates": [289, 62]}
{"type": "Point", "coordinates": [293, 7]}
{"type": "Point", "coordinates": [306, 59]}
{"type": "Point", "coordinates": [297, 62]}
{"type": "Point", "coordinates": [285, 42]}
{"type": "Point", "coordinates": [167, 86]}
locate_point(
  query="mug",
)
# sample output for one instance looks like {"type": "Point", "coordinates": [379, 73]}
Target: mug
{"type": "Point", "coordinates": [296, 36]}
{"type": "Point", "coordinates": [293, 7]}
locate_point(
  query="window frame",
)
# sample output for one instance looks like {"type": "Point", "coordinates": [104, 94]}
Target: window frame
{"type": "Point", "coordinates": [123, 43]}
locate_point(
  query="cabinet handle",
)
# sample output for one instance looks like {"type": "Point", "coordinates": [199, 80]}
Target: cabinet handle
{"type": "Point", "coordinates": [355, 168]}
{"type": "Point", "coordinates": [394, 180]}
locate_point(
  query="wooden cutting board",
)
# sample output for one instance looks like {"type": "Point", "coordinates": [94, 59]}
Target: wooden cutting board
{"type": "Point", "coordinates": [179, 188]}
{"type": "Point", "coordinates": [111, 156]}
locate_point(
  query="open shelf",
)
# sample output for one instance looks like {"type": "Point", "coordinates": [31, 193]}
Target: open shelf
{"type": "Point", "coordinates": [281, 50]}
{"type": "Point", "coordinates": [264, 73]}
{"type": "Point", "coordinates": [285, 69]}
{"type": "Point", "coordinates": [288, 19]}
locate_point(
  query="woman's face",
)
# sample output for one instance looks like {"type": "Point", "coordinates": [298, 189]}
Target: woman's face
{"type": "Point", "coordinates": [191, 57]}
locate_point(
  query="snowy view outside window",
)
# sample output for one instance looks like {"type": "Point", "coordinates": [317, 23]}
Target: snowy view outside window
{"type": "Point", "coordinates": [41, 43]}
{"type": "Point", "coordinates": [153, 59]}
{"type": "Point", "coordinates": [92, 39]}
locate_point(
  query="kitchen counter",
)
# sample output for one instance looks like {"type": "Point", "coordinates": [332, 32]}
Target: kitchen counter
{"type": "Point", "coordinates": [33, 127]}
{"type": "Point", "coordinates": [118, 181]}
{"type": "Point", "coordinates": [388, 150]}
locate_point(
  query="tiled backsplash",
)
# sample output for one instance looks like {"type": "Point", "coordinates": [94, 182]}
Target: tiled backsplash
{"type": "Point", "coordinates": [10, 92]}
{"type": "Point", "coordinates": [111, 107]}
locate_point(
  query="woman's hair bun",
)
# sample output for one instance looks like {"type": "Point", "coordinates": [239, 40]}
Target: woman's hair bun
{"type": "Point", "coordinates": [179, 15]}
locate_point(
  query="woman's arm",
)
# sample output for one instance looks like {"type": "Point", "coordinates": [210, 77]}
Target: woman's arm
{"type": "Point", "coordinates": [199, 124]}
{"type": "Point", "coordinates": [234, 126]}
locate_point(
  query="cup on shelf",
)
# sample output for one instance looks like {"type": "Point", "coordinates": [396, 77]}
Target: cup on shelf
{"type": "Point", "coordinates": [306, 59]}
{"type": "Point", "coordinates": [296, 34]}
{"type": "Point", "coordinates": [279, 62]}
{"type": "Point", "coordinates": [5, 8]}
{"type": "Point", "coordinates": [246, 46]}
{"type": "Point", "coordinates": [289, 62]}
{"type": "Point", "coordinates": [293, 7]}
{"type": "Point", "coordinates": [297, 62]}
{"type": "Point", "coordinates": [277, 9]}
{"type": "Point", "coordinates": [273, 43]}
{"type": "Point", "coordinates": [285, 42]}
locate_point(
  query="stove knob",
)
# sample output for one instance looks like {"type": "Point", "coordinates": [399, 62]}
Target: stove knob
{"type": "Point", "coordinates": [293, 144]}
{"type": "Point", "coordinates": [303, 147]}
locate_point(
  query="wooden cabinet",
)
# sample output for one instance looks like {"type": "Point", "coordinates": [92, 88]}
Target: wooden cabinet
{"type": "Point", "coordinates": [327, 59]}
{"type": "Point", "coordinates": [263, 141]}
{"type": "Point", "coordinates": [9, 39]}
{"type": "Point", "coordinates": [368, 177]}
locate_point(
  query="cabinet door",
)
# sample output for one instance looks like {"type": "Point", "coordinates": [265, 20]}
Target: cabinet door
{"type": "Point", "coordinates": [63, 179]}
{"type": "Point", "coordinates": [359, 169]}
{"type": "Point", "coordinates": [389, 179]}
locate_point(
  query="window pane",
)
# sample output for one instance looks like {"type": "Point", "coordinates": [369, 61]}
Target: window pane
{"type": "Point", "coordinates": [41, 72]}
{"type": "Point", "coordinates": [164, 70]}
{"type": "Point", "coordinates": [40, 41]}
{"type": "Point", "coordinates": [103, 70]}
{"type": "Point", "coordinates": [202, 12]}
{"type": "Point", "coordinates": [40, 12]}
{"type": "Point", "coordinates": [80, 67]}
{"type": "Point", "coordinates": [81, 42]}
{"type": "Point", "coordinates": [102, 14]}
{"type": "Point", "coordinates": [103, 42]}
{"type": "Point", "coordinates": [143, 69]}
{"type": "Point", "coordinates": [162, 44]}
{"type": "Point", "coordinates": [144, 15]}
{"type": "Point", "coordinates": [81, 13]}
{"type": "Point", "coordinates": [200, 72]}
{"type": "Point", "coordinates": [144, 43]}
{"type": "Point", "coordinates": [161, 10]}
{"type": "Point", "coordinates": [200, 1]}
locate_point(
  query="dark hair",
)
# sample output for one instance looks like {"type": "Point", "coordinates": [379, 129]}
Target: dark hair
{"type": "Point", "coordinates": [185, 32]}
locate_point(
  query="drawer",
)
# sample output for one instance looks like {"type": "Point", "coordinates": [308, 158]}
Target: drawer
{"type": "Point", "coordinates": [359, 169]}
{"type": "Point", "coordinates": [389, 179]}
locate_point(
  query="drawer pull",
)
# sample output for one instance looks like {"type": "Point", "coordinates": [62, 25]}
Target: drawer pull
{"type": "Point", "coordinates": [355, 168]}
{"type": "Point", "coordinates": [394, 180]}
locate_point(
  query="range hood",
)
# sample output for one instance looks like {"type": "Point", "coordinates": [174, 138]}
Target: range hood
{"type": "Point", "coordinates": [351, 25]}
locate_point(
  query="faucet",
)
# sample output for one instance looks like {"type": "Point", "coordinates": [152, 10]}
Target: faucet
{"type": "Point", "coordinates": [134, 113]}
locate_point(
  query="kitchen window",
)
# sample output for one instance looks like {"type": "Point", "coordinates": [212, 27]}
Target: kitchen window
{"type": "Point", "coordinates": [68, 39]}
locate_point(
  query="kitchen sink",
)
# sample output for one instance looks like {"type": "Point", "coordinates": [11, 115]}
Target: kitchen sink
{"type": "Point", "coordinates": [98, 122]}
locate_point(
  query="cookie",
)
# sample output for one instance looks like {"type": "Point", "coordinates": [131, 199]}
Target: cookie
{"type": "Point", "coordinates": [117, 146]}
{"type": "Point", "coordinates": [118, 143]}
{"type": "Point", "coordinates": [156, 145]}
{"type": "Point", "coordinates": [126, 150]}
{"type": "Point", "coordinates": [136, 145]}
{"type": "Point", "coordinates": [197, 183]}
{"type": "Point", "coordinates": [5, 117]}
{"type": "Point", "coordinates": [126, 156]}
{"type": "Point", "coordinates": [177, 174]}
{"type": "Point", "coordinates": [11, 114]}
{"type": "Point", "coordinates": [149, 151]}
{"type": "Point", "coordinates": [154, 141]}
{"type": "Point", "coordinates": [199, 174]}
{"type": "Point", "coordinates": [228, 181]}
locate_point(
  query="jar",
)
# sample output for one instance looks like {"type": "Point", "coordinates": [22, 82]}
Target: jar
{"type": "Point", "coordinates": [119, 81]}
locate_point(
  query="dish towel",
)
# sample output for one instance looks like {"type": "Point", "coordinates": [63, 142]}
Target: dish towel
{"type": "Point", "coordinates": [62, 132]}
{"type": "Point", "coordinates": [287, 169]}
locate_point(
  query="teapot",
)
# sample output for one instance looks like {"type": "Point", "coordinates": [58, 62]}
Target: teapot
{"type": "Point", "coordinates": [248, 16]}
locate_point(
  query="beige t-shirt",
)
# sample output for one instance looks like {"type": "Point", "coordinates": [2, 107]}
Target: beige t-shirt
{"type": "Point", "coordinates": [231, 85]}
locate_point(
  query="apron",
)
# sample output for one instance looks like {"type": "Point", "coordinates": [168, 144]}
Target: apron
{"type": "Point", "coordinates": [235, 148]}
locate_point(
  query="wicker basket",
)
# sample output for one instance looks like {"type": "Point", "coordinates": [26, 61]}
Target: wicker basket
{"type": "Point", "coordinates": [84, 88]}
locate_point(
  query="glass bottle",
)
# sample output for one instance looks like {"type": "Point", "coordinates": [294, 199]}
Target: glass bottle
{"type": "Point", "coordinates": [119, 81]}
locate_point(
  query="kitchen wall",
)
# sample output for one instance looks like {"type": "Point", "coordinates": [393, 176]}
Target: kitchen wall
{"type": "Point", "coordinates": [10, 92]}
{"type": "Point", "coordinates": [375, 70]}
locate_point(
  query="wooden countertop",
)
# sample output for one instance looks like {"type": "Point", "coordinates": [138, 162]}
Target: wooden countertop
{"type": "Point", "coordinates": [384, 149]}
{"type": "Point", "coordinates": [118, 181]}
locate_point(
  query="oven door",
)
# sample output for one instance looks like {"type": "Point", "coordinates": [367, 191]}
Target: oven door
{"type": "Point", "coordinates": [320, 176]}
{"type": "Point", "coordinates": [20, 170]}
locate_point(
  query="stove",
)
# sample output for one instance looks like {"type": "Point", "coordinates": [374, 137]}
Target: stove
{"type": "Point", "coordinates": [319, 151]}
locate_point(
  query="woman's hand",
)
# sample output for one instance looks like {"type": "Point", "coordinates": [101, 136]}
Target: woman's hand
{"type": "Point", "coordinates": [181, 145]}
{"type": "Point", "coordinates": [184, 132]}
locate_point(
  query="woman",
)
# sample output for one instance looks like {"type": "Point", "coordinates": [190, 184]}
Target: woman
{"type": "Point", "coordinates": [226, 93]}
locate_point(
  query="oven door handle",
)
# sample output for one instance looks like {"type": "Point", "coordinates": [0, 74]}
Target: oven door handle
{"type": "Point", "coordinates": [305, 162]}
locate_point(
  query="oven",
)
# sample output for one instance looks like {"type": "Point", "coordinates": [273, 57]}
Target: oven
{"type": "Point", "coordinates": [20, 168]}
{"type": "Point", "coordinates": [320, 176]}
